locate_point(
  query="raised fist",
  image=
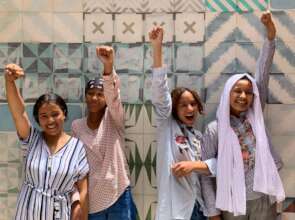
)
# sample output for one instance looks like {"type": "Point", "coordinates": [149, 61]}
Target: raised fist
{"type": "Point", "coordinates": [106, 56]}
{"type": "Point", "coordinates": [267, 21]}
{"type": "Point", "coordinates": [156, 36]}
{"type": "Point", "coordinates": [13, 72]}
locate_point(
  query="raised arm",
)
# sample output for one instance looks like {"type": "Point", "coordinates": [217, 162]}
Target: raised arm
{"type": "Point", "coordinates": [265, 58]}
{"type": "Point", "coordinates": [111, 85]}
{"type": "Point", "coordinates": [161, 98]}
{"type": "Point", "coordinates": [15, 101]}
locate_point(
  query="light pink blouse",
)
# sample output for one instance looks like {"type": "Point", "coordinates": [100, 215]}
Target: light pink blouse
{"type": "Point", "coordinates": [108, 176]}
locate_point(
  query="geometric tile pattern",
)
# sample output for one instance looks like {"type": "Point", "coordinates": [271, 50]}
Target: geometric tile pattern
{"type": "Point", "coordinates": [205, 43]}
{"type": "Point", "coordinates": [37, 58]}
{"type": "Point", "coordinates": [9, 53]}
{"type": "Point", "coordinates": [67, 58]}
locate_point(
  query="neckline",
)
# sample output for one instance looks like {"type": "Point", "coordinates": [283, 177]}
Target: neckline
{"type": "Point", "coordinates": [93, 131]}
{"type": "Point", "coordinates": [59, 150]}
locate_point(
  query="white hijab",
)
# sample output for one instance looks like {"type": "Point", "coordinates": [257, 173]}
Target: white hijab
{"type": "Point", "coordinates": [231, 191]}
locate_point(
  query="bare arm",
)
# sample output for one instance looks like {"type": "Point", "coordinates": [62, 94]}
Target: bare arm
{"type": "Point", "coordinates": [185, 168]}
{"type": "Point", "coordinates": [83, 191]}
{"type": "Point", "coordinates": [15, 101]}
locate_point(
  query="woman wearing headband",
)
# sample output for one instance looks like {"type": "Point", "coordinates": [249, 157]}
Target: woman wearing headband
{"type": "Point", "coordinates": [102, 130]}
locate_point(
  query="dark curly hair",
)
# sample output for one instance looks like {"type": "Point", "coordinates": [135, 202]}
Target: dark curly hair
{"type": "Point", "coordinates": [176, 94]}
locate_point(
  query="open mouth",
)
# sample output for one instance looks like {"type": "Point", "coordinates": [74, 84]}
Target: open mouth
{"type": "Point", "coordinates": [51, 127]}
{"type": "Point", "coordinates": [189, 117]}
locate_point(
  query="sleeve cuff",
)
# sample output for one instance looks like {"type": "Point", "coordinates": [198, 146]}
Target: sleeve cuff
{"type": "Point", "coordinates": [270, 43]}
{"type": "Point", "coordinates": [160, 71]}
{"type": "Point", "coordinates": [212, 212]}
{"type": "Point", "coordinates": [212, 163]}
{"type": "Point", "coordinates": [75, 195]}
{"type": "Point", "coordinates": [110, 77]}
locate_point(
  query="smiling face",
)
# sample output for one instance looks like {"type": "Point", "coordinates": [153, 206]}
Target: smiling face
{"type": "Point", "coordinates": [187, 108]}
{"type": "Point", "coordinates": [241, 97]}
{"type": "Point", "coordinates": [95, 100]}
{"type": "Point", "coordinates": [51, 119]}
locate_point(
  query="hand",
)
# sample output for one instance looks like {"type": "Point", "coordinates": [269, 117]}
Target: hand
{"type": "Point", "coordinates": [13, 72]}
{"type": "Point", "coordinates": [106, 56]}
{"type": "Point", "coordinates": [267, 21]}
{"type": "Point", "coordinates": [156, 36]}
{"type": "Point", "coordinates": [217, 217]}
{"type": "Point", "coordinates": [183, 168]}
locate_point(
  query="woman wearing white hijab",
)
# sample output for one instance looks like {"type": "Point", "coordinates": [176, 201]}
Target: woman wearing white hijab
{"type": "Point", "coordinates": [247, 183]}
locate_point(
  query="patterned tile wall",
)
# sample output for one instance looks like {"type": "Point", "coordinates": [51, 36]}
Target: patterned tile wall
{"type": "Point", "coordinates": [205, 42]}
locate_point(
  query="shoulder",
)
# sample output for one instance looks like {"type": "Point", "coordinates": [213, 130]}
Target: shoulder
{"type": "Point", "coordinates": [211, 129]}
{"type": "Point", "coordinates": [77, 144]}
{"type": "Point", "coordinates": [78, 123]}
{"type": "Point", "coordinates": [212, 126]}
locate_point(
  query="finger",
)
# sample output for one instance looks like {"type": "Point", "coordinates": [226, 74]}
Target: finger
{"type": "Point", "coordinates": [178, 169]}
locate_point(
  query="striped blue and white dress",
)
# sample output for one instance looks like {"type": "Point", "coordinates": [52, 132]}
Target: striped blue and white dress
{"type": "Point", "coordinates": [49, 178]}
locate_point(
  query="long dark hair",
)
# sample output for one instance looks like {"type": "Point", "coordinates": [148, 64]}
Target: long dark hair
{"type": "Point", "coordinates": [176, 94]}
{"type": "Point", "coordinates": [49, 98]}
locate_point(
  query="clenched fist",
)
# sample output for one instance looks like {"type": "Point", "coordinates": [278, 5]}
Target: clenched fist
{"type": "Point", "coordinates": [106, 56]}
{"type": "Point", "coordinates": [267, 21]}
{"type": "Point", "coordinates": [13, 72]}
